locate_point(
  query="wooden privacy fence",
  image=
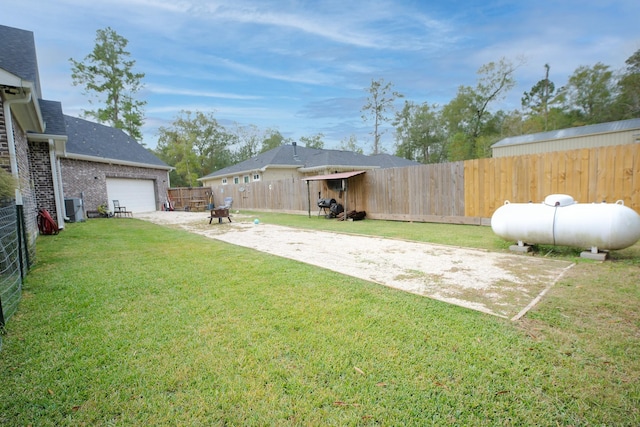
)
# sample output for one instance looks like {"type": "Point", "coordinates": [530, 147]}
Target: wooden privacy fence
{"type": "Point", "coordinates": [284, 195]}
{"type": "Point", "coordinates": [196, 198]}
{"type": "Point", "coordinates": [426, 193]}
{"type": "Point", "coordinates": [588, 175]}
{"type": "Point", "coordinates": [418, 193]}
{"type": "Point", "coordinates": [287, 195]}
{"type": "Point", "coordinates": [461, 192]}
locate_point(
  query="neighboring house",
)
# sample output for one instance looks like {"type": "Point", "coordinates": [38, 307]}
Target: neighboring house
{"type": "Point", "coordinates": [599, 135]}
{"type": "Point", "coordinates": [296, 162]}
{"type": "Point", "coordinates": [56, 157]}
{"type": "Point", "coordinates": [102, 164]}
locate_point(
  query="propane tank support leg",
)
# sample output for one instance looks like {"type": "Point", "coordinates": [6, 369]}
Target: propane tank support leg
{"type": "Point", "coordinates": [595, 254]}
{"type": "Point", "coordinates": [520, 247]}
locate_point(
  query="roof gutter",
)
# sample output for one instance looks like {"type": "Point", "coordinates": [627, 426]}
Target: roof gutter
{"type": "Point", "coordinates": [279, 167]}
{"type": "Point", "coordinates": [246, 171]}
{"type": "Point", "coordinates": [96, 159]}
{"type": "Point", "coordinates": [60, 141]}
{"type": "Point", "coordinates": [344, 168]}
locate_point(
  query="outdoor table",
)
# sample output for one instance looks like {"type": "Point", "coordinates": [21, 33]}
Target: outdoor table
{"type": "Point", "coordinates": [195, 204]}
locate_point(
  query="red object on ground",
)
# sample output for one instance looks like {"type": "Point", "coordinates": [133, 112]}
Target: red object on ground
{"type": "Point", "coordinates": [46, 224]}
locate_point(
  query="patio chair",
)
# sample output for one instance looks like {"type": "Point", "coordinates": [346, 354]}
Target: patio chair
{"type": "Point", "coordinates": [119, 210]}
{"type": "Point", "coordinates": [228, 201]}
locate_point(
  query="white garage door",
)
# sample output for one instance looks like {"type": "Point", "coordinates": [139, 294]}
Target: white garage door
{"type": "Point", "coordinates": [137, 195]}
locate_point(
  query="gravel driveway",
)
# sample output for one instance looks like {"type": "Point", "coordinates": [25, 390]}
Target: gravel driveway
{"type": "Point", "coordinates": [503, 285]}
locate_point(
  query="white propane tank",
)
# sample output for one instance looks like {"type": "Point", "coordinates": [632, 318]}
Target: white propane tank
{"type": "Point", "coordinates": [560, 221]}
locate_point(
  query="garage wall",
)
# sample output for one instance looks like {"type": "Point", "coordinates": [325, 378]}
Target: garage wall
{"type": "Point", "coordinates": [89, 179]}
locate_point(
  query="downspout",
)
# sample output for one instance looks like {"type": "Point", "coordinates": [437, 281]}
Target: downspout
{"type": "Point", "coordinates": [8, 119]}
{"type": "Point", "coordinates": [57, 193]}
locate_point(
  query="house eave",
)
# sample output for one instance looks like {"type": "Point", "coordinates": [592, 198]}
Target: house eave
{"type": "Point", "coordinates": [283, 166]}
{"type": "Point", "coordinates": [27, 114]}
{"type": "Point", "coordinates": [59, 141]}
{"type": "Point", "coordinates": [340, 168]}
{"type": "Point", "coordinates": [247, 171]}
{"type": "Point", "coordinates": [96, 159]}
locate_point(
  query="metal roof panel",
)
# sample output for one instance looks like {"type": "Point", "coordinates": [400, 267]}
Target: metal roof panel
{"type": "Point", "coordinates": [342, 175]}
{"type": "Point", "coordinates": [570, 132]}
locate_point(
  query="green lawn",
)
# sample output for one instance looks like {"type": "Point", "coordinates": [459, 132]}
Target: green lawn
{"type": "Point", "coordinates": [124, 322]}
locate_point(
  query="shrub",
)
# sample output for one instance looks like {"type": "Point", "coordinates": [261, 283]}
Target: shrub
{"type": "Point", "coordinates": [7, 185]}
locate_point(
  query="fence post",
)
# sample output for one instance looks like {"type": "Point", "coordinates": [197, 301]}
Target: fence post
{"type": "Point", "coordinates": [1, 320]}
{"type": "Point", "coordinates": [23, 226]}
{"type": "Point", "coordinates": [20, 233]}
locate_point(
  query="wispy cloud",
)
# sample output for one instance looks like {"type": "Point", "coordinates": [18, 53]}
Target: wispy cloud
{"type": "Point", "coordinates": [332, 107]}
{"type": "Point", "coordinates": [175, 6]}
{"type": "Point", "coordinates": [316, 25]}
{"type": "Point", "coordinates": [307, 76]}
{"type": "Point", "coordinates": [177, 91]}
{"type": "Point", "coordinates": [258, 113]}
{"type": "Point", "coordinates": [360, 24]}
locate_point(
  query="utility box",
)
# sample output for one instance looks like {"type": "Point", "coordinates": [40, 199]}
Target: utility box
{"type": "Point", "coordinates": [74, 210]}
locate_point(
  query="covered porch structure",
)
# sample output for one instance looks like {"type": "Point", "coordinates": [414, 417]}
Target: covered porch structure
{"type": "Point", "coordinates": [341, 178]}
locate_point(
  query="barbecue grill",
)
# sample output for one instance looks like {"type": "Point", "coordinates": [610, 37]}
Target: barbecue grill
{"type": "Point", "coordinates": [324, 204]}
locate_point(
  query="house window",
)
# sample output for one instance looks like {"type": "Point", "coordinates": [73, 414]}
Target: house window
{"type": "Point", "coordinates": [334, 184]}
{"type": "Point", "coordinates": [245, 179]}
{"type": "Point", "coordinates": [256, 177]}
{"type": "Point", "coordinates": [236, 180]}
{"type": "Point", "coordinates": [224, 181]}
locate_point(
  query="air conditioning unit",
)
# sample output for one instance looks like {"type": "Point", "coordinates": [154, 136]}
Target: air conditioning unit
{"type": "Point", "coordinates": [74, 210]}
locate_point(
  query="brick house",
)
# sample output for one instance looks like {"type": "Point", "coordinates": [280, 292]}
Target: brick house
{"type": "Point", "coordinates": [56, 157]}
{"type": "Point", "coordinates": [102, 163]}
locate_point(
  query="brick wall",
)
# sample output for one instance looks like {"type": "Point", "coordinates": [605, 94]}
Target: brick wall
{"type": "Point", "coordinates": [25, 181]}
{"type": "Point", "coordinates": [88, 180]}
{"type": "Point", "coordinates": [41, 176]}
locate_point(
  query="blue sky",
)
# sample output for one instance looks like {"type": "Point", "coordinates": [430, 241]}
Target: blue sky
{"type": "Point", "coordinates": [303, 67]}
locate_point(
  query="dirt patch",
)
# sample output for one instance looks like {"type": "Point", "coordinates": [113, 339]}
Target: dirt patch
{"type": "Point", "coordinates": [495, 283]}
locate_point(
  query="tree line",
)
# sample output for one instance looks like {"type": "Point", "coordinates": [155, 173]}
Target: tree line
{"type": "Point", "coordinates": [465, 128]}
{"type": "Point", "coordinates": [196, 144]}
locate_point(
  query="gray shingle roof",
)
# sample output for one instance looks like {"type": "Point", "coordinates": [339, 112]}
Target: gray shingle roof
{"type": "Point", "coordinates": [312, 157]}
{"type": "Point", "coordinates": [18, 54]}
{"type": "Point", "coordinates": [53, 117]}
{"type": "Point", "coordinates": [91, 139]}
{"type": "Point", "coordinates": [570, 132]}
